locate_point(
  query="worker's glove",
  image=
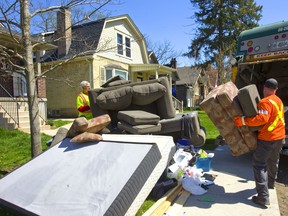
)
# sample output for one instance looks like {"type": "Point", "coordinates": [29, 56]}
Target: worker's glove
{"type": "Point", "coordinates": [83, 108]}
{"type": "Point", "coordinates": [239, 121]}
{"type": "Point", "coordinates": [86, 108]}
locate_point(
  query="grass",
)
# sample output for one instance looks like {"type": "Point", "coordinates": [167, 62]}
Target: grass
{"type": "Point", "coordinates": [15, 149]}
{"type": "Point", "coordinates": [211, 131]}
{"type": "Point", "coordinates": [58, 123]}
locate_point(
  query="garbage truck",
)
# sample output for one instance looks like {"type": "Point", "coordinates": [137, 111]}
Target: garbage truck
{"type": "Point", "coordinates": [262, 53]}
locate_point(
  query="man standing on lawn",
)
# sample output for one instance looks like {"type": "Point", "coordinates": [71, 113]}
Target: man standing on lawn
{"type": "Point", "coordinates": [270, 140]}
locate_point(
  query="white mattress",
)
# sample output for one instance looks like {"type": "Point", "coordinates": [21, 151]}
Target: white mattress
{"type": "Point", "coordinates": [113, 177]}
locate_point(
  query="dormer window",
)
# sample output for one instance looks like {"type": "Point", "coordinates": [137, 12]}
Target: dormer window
{"type": "Point", "coordinates": [123, 48]}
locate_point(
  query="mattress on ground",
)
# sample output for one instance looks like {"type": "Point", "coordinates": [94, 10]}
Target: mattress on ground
{"type": "Point", "coordinates": [102, 178]}
{"type": "Point", "coordinates": [221, 106]}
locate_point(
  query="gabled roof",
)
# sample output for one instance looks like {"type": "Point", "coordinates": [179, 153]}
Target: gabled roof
{"type": "Point", "coordinates": [188, 75]}
{"type": "Point", "coordinates": [85, 37]}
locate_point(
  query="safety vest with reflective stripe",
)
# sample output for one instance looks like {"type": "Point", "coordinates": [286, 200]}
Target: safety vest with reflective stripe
{"type": "Point", "coordinates": [279, 116]}
{"type": "Point", "coordinates": [270, 118]}
{"type": "Point", "coordinates": [83, 100]}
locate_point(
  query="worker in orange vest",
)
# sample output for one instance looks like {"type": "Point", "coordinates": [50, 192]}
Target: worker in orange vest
{"type": "Point", "coordinates": [270, 140]}
{"type": "Point", "coordinates": [83, 103]}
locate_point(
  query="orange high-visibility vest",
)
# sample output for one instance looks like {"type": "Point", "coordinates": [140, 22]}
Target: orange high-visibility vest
{"type": "Point", "coordinates": [271, 117]}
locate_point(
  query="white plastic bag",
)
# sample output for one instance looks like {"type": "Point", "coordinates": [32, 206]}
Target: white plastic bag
{"type": "Point", "coordinates": [191, 185]}
{"type": "Point", "coordinates": [182, 158]}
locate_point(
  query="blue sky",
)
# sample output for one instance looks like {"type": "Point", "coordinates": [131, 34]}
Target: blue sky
{"type": "Point", "coordinates": [164, 20]}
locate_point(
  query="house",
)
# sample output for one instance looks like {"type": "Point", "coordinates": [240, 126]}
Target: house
{"type": "Point", "coordinates": [94, 51]}
{"type": "Point", "coordinates": [13, 93]}
{"type": "Point", "coordinates": [192, 87]}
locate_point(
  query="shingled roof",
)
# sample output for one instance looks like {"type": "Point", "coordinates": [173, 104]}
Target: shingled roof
{"type": "Point", "coordinates": [85, 38]}
{"type": "Point", "coordinates": [188, 75]}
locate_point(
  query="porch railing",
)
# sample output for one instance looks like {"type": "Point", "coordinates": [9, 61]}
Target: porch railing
{"type": "Point", "coordinates": [178, 104]}
{"type": "Point", "coordinates": [9, 105]}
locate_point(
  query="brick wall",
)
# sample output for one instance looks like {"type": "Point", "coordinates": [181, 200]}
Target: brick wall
{"type": "Point", "coordinates": [41, 87]}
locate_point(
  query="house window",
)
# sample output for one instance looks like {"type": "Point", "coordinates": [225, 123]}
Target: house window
{"type": "Point", "coordinates": [128, 47]}
{"type": "Point", "coordinates": [120, 44]}
{"type": "Point", "coordinates": [19, 85]}
{"type": "Point", "coordinates": [123, 49]}
{"type": "Point", "coordinates": [107, 73]}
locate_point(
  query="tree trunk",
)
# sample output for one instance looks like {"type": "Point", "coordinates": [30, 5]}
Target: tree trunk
{"type": "Point", "coordinates": [36, 147]}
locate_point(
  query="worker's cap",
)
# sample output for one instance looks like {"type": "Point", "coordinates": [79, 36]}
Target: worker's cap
{"type": "Point", "coordinates": [271, 83]}
{"type": "Point", "coordinates": [84, 83]}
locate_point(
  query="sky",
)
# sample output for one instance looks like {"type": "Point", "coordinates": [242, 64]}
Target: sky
{"type": "Point", "coordinates": [170, 20]}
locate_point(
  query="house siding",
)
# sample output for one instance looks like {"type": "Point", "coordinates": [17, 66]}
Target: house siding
{"type": "Point", "coordinates": [109, 34]}
{"type": "Point", "coordinates": [61, 96]}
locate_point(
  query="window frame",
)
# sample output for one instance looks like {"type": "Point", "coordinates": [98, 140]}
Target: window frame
{"type": "Point", "coordinates": [104, 70]}
{"type": "Point", "coordinates": [124, 46]}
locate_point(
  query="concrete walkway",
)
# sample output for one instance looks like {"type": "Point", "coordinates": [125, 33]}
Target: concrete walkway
{"type": "Point", "coordinates": [233, 189]}
{"type": "Point", "coordinates": [52, 132]}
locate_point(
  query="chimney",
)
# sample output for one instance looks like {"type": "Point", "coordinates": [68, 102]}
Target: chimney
{"type": "Point", "coordinates": [64, 32]}
{"type": "Point", "coordinates": [173, 63]}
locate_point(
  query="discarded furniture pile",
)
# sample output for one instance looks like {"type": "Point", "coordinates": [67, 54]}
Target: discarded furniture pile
{"type": "Point", "coordinates": [110, 164]}
{"type": "Point", "coordinates": [145, 108]}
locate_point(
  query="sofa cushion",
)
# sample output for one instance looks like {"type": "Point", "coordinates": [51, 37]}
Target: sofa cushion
{"type": "Point", "coordinates": [117, 99]}
{"type": "Point", "coordinates": [96, 124]}
{"type": "Point", "coordinates": [248, 98]}
{"type": "Point", "coordinates": [139, 129]}
{"type": "Point", "coordinates": [112, 79]}
{"type": "Point", "coordinates": [147, 94]}
{"type": "Point", "coordinates": [78, 126]}
{"type": "Point", "coordinates": [119, 82]}
{"type": "Point", "coordinates": [86, 137]}
{"type": "Point", "coordinates": [138, 117]}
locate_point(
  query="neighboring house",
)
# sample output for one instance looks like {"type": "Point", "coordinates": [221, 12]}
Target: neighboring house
{"type": "Point", "coordinates": [99, 50]}
{"type": "Point", "coordinates": [13, 92]}
{"type": "Point", "coordinates": [192, 87]}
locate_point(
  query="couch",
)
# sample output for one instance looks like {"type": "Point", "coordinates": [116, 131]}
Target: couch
{"type": "Point", "coordinates": [144, 108]}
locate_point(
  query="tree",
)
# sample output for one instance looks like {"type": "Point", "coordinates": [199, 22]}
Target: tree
{"type": "Point", "coordinates": [47, 21]}
{"type": "Point", "coordinates": [17, 18]}
{"type": "Point", "coordinates": [164, 51]}
{"type": "Point", "coordinates": [219, 22]}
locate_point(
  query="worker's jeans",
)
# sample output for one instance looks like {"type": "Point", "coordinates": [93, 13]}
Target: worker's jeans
{"type": "Point", "coordinates": [265, 166]}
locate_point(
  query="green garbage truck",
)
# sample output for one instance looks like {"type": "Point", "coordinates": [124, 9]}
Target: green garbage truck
{"type": "Point", "coordinates": [262, 53]}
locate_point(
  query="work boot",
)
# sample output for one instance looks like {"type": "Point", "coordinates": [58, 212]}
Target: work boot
{"type": "Point", "coordinates": [258, 201]}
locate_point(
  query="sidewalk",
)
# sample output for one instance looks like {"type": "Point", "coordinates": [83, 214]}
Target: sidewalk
{"type": "Point", "coordinates": [52, 132]}
{"type": "Point", "coordinates": [233, 189]}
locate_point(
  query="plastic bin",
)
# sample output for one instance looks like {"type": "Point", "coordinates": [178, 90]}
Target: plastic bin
{"type": "Point", "coordinates": [183, 142]}
{"type": "Point", "coordinates": [204, 163]}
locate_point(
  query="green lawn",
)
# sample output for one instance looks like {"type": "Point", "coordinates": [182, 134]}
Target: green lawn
{"type": "Point", "coordinates": [15, 149]}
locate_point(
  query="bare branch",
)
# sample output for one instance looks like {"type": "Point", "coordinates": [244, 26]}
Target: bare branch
{"type": "Point", "coordinates": [94, 11]}
{"type": "Point", "coordinates": [52, 8]}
